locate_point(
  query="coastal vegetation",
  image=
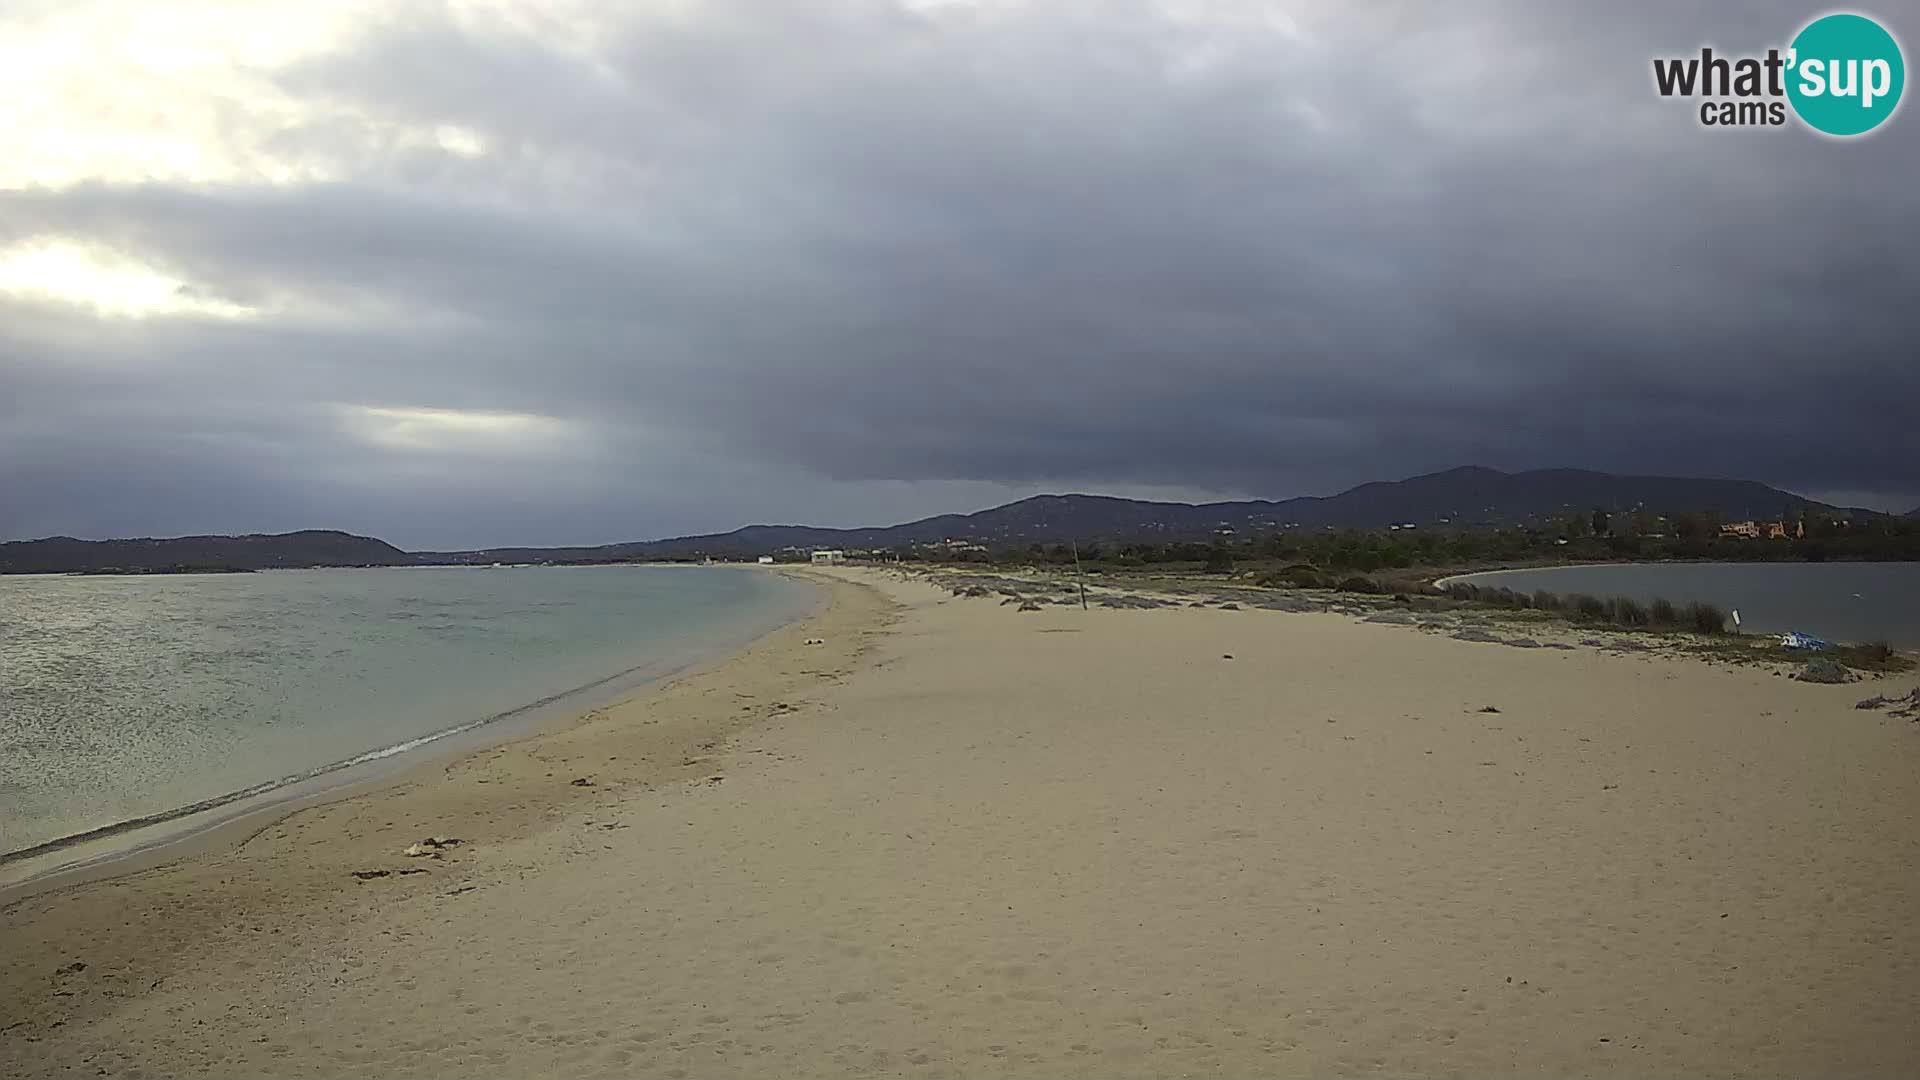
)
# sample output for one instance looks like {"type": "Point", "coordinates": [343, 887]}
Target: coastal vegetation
{"type": "Point", "coordinates": [176, 568]}
{"type": "Point", "coordinates": [1337, 553]}
{"type": "Point", "coordinates": [1621, 611]}
{"type": "Point", "coordinates": [1404, 563]}
{"type": "Point", "coordinates": [1465, 611]}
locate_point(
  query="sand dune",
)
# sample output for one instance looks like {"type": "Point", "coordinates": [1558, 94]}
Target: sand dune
{"type": "Point", "coordinates": [958, 839]}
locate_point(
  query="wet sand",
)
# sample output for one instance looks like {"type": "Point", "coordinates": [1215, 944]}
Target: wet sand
{"type": "Point", "coordinates": [960, 839]}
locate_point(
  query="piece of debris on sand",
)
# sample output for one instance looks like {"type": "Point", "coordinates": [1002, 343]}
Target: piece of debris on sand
{"type": "Point", "coordinates": [1906, 706]}
{"type": "Point", "coordinates": [431, 847]}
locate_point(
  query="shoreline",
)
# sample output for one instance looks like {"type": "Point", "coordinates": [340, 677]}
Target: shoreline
{"type": "Point", "coordinates": [1437, 582]}
{"type": "Point", "coordinates": [264, 797]}
{"type": "Point", "coordinates": [96, 854]}
{"type": "Point", "coordinates": [961, 838]}
{"type": "Point", "coordinates": [1760, 603]}
{"type": "Point", "coordinates": [305, 855]}
{"type": "Point", "coordinates": [211, 825]}
{"type": "Point", "coordinates": [1441, 583]}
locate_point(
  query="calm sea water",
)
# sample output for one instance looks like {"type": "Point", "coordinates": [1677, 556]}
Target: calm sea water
{"type": "Point", "coordinates": [127, 697]}
{"type": "Point", "coordinates": [1836, 601]}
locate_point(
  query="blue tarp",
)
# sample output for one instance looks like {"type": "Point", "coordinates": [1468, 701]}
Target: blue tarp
{"type": "Point", "coordinates": [1794, 639]}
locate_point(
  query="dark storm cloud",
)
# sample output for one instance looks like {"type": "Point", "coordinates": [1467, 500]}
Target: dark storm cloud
{"type": "Point", "coordinates": [847, 263]}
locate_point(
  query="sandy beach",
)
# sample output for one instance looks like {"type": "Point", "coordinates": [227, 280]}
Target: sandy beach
{"type": "Point", "coordinates": [959, 839]}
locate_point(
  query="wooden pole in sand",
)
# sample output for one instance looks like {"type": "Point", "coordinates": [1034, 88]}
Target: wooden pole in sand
{"type": "Point", "coordinates": [1079, 573]}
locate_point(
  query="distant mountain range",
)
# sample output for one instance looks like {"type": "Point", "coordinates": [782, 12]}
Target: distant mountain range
{"type": "Point", "coordinates": [1463, 498]}
{"type": "Point", "coordinates": [312, 547]}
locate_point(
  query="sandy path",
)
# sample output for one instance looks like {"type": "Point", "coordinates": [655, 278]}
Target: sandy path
{"type": "Point", "coordinates": [1076, 843]}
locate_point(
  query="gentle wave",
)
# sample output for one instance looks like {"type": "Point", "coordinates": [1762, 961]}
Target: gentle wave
{"type": "Point", "coordinates": [121, 827]}
{"type": "Point", "coordinates": [145, 702]}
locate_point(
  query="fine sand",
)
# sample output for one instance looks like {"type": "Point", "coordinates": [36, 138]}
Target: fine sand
{"type": "Point", "coordinates": [961, 839]}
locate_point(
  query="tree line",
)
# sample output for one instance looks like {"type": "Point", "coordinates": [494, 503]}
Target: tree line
{"type": "Point", "coordinates": [1598, 536]}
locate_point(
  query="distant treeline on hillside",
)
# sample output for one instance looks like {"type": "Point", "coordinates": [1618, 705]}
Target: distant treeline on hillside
{"type": "Point", "coordinates": [198, 554]}
{"type": "Point", "coordinates": [1453, 518]}
{"type": "Point", "coordinates": [1595, 537]}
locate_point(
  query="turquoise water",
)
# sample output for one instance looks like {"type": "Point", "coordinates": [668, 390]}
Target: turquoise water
{"type": "Point", "coordinates": [1841, 601]}
{"type": "Point", "coordinates": [123, 698]}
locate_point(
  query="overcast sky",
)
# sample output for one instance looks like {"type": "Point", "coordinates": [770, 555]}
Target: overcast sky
{"type": "Point", "coordinates": [492, 273]}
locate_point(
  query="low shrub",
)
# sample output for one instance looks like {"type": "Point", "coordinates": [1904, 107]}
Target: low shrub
{"type": "Point", "coordinates": [1872, 656]}
{"type": "Point", "coordinates": [1622, 611]}
{"type": "Point", "coordinates": [1628, 612]}
{"type": "Point", "coordinates": [1821, 669]}
{"type": "Point", "coordinates": [1706, 618]}
{"type": "Point", "coordinates": [1300, 576]}
{"type": "Point", "coordinates": [1501, 597]}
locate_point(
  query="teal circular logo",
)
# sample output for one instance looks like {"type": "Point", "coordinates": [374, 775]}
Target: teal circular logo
{"type": "Point", "coordinates": [1845, 74]}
